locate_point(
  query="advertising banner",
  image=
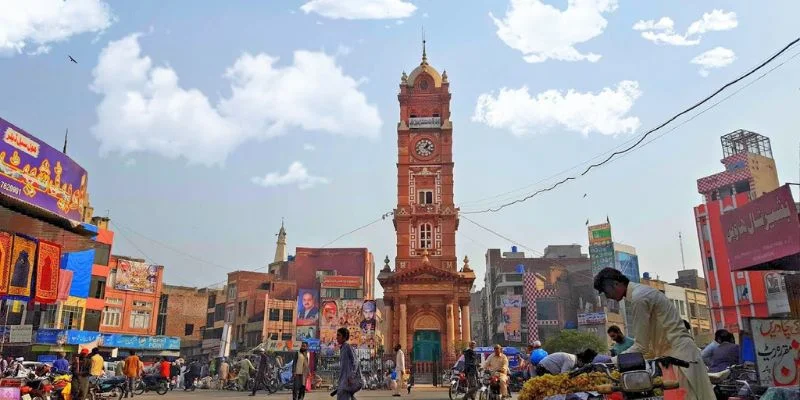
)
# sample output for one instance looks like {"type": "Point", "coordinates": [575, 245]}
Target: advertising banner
{"type": "Point", "coordinates": [328, 324]}
{"type": "Point", "coordinates": [592, 318]}
{"type": "Point", "coordinates": [306, 332]}
{"type": "Point", "coordinates": [16, 333]}
{"type": "Point", "coordinates": [340, 281]}
{"type": "Point", "coordinates": [47, 270]}
{"type": "Point", "coordinates": [5, 261]}
{"type": "Point", "coordinates": [337, 314]}
{"type": "Point", "coordinates": [370, 338]}
{"type": "Point", "coordinates": [307, 307]}
{"type": "Point", "coordinates": [136, 276]}
{"type": "Point", "coordinates": [138, 342]}
{"type": "Point", "coordinates": [777, 351]}
{"type": "Point", "coordinates": [602, 256]}
{"type": "Point", "coordinates": [61, 336]}
{"type": "Point", "coordinates": [23, 254]}
{"type": "Point", "coordinates": [762, 231]}
{"type": "Point", "coordinates": [599, 234]}
{"type": "Point", "coordinates": [35, 173]}
{"type": "Point", "coordinates": [628, 264]}
{"type": "Point", "coordinates": [777, 298]}
{"type": "Point", "coordinates": [512, 318]}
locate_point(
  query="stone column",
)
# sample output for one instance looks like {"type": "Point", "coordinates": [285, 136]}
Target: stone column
{"type": "Point", "coordinates": [466, 328]}
{"type": "Point", "coordinates": [403, 339]}
{"type": "Point", "coordinates": [451, 328]}
{"type": "Point", "coordinates": [388, 346]}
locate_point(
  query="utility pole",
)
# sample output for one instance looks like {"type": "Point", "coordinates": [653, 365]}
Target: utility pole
{"type": "Point", "coordinates": [683, 260]}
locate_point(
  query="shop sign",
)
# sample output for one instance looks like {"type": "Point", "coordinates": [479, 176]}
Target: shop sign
{"type": "Point", "coordinates": [592, 318]}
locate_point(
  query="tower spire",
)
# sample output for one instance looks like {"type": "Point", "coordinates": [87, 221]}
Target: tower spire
{"type": "Point", "coordinates": [424, 52]}
{"type": "Point", "coordinates": [280, 249]}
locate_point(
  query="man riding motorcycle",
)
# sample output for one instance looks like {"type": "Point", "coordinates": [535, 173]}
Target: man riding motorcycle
{"type": "Point", "coordinates": [497, 364]}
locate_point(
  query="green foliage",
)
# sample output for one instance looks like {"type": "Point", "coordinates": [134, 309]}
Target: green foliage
{"type": "Point", "coordinates": [573, 341]}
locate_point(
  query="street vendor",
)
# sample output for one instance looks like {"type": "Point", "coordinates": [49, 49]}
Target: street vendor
{"type": "Point", "coordinates": [560, 362]}
{"type": "Point", "coordinates": [658, 329]}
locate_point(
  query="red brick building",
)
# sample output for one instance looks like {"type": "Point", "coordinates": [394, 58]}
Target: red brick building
{"type": "Point", "coordinates": [244, 307]}
{"type": "Point", "coordinates": [182, 312]}
{"type": "Point", "coordinates": [311, 264]}
{"type": "Point", "coordinates": [130, 311]}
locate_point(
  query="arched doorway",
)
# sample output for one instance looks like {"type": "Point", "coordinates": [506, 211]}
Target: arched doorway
{"type": "Point", "coordinates": [426, 351]}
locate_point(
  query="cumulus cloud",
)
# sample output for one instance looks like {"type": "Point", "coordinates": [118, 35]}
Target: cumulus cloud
{"type": "Point", "coordinates": [604, 112]}
{"type": "Point", "coordinates": [541, 31]}
{"type": "Point", "coordinates": [297, 174]}
{"type": "Point", "coordinates": [144, 107]}
{"type": "Point", "coordinates": [41, 23]}
{"type": "Point", "coordinates": [717, 57]}
{"type": "Point", "coordinates": [663, 30]}
{"type": "Point", "coordinates": [360, 9]}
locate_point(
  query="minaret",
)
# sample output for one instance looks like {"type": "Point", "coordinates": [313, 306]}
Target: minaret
{"type": "Point", "coordinates": [280, 249]}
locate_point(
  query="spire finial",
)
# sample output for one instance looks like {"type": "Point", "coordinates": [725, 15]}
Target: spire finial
{"type": "Point", "coordinates": [424, 52]}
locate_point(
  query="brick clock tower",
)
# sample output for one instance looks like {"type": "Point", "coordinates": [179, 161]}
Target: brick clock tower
{"type": "Point", "coordinates": [426, 295]}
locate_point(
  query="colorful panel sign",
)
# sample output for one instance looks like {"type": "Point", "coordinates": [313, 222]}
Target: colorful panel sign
{"type": "Point", "coordinates": [23, 254]}
{"type": "Point", "coordinates": [512, 318]}
{"type": "Point", "coordinates": [33, 172]}
{"type": "Point", "coordinates": [135, 276]}
{"type": "Point", "coordinates": [777, 351]}
{"type": "Point", "coordinates": [5, 261]}
{"type": "Point", "coordinates": [47, 271]}
{"type": "Point", "coordinates": [370, 338]}
{"type": "Point", "coordinates": [61, 337]}
{"type": "Point", "coordinates": [307, 307]}
{"type": "Point", "coordinates": [343, 313]}
{"type": "Point", "coordinates": [602, 256]}
{"type": "Point", "coordinates": [763, 230]}
{"type": "Point", "coordinates": [599, 234]}
{"type": "Point", "coordinates": [591, 318]}
{"type": "Point", "coordinates": [328, 324]}
{"type": "Point", "coordinates": [137, 342]}
{"type": "Point", "coordinates": [340, 281]}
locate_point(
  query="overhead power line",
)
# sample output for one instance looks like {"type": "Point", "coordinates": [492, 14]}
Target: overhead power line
{"type": "Point", "coordinates": [648, 133]}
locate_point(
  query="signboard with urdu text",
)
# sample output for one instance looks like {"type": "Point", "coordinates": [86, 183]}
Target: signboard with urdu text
{"type": "Point", "coordinates": [777, 351]}
{"type": "Point", "coordinates": [424, 122]}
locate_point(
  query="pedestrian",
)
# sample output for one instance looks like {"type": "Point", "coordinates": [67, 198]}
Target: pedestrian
{"type": "Point", "coordinates": [97, 370]}
{"type": "Point", "coordinates": [119, 368]}
{"type": "Point", "coordinates": [301, 372]}
{"type": "Point", "coordinates": [3, 365]}
{"type": "Point", "coordinates": [245, 369]}
{"type": "Point", "coordinates": [132, 370]}
{"type": "Point", "coordinates": [260, 381]}
{"type": "Point", "coordinates": [471, 364]}
{"type": "Point", "coordinates": [349, 382]}
{"type": "Point", "coordinates": [621, 342]}
{"type": "Point", "coordinates": [224, 370]}
{"type": "Point", "coordinates": [399, 367]}
{"type": "Point", "coordinates": [192, 373]}
{"type": "Point", "coordinates": [165, 369]}
{"type": "Point", "coordinates": [81, 366]}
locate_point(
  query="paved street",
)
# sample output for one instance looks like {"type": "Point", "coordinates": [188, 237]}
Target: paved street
{"type": "Point", "coordinates": [428, 393]}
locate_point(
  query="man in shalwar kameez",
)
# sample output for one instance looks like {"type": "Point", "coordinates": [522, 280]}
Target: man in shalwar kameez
{"type": "Point", "coordinates": [658, 330]}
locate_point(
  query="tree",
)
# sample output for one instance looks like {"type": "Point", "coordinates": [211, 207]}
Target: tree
{"type": "Point", "coordinates": [573, 341]}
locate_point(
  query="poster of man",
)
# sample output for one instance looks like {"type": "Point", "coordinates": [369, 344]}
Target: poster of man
{"type": "Point", "coordinates": [307, 307]}
{"type": "Point", "coordinates": [512, 316]}
{"type": "Point", "coordinates": [368, 322]}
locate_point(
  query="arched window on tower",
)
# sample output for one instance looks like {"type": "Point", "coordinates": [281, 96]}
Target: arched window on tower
{"type": "Point", "coordinates": [425, 235]}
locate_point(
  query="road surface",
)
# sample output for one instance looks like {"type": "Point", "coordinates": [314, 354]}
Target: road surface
{"type": "Point", "coordinates": [418, 393]}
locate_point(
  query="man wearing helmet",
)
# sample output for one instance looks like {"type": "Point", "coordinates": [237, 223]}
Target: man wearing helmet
{"type": "Point", "coordinates": [537, 355]}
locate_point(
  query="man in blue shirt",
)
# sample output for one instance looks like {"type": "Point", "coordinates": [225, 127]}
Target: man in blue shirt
{"type": "Point", "coordinates": [61, 364]}
{"type": "Point", "coordinates": [621, 342]}
{"type": "Point", "coordinates": [537, 354]}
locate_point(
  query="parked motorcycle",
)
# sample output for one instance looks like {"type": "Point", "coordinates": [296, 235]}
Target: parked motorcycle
{"type": "Point", "coordinates": [107, 388]}
{"type": "Point", "coordinates": [640, 378]}
{"type": "Point", "coordinates": [280, 378]}
{"type": "Point", "coordinates": [151, 383]}
{"type": "Point", "coordinates": [737, 381]}
{"type": "Point", "coordinates": [38, 388]}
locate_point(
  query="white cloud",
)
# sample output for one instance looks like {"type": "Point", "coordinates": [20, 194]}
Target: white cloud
{"type": "Point", "coordinates": [309, 147]}
{"type": "Point", "coordinates": [541, 31]}
{"type": "Point", "coordinates": [604, 112]}
{"type": "Point", "coordinates": [130, 162]}
{"type": "Point", "coordinates": [717, 57]}
{"type": "Point", "coordinates": [297, 174]}
{"type": "Point", "coordinates": [343, 50]}
{"type": "Point", "coordinates": [360, 9]}
{"type": "Point", "coordinates": [663, 30]}
{"type": "Point", "coordinates": [44, 22]}
{"type": "Point", "coordinates": [144, 108]}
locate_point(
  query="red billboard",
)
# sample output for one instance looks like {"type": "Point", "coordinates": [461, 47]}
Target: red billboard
{"type": "Point", "coordinates": [764, 233]}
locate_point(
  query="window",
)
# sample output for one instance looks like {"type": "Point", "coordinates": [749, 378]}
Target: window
{"type": "Point", "coordinates": [714, 297]}
{"type": "Point", "coordinates": [112, 278]}
{"type": "Point", "coordinates": [514, 278]}
{"type": "Point", "coordinates": [425, 197]}
{"type": "Point", "coordinates": [693, 310]}
{"type": "Point", "coordinates": [682, 307]}
{"type": "Point", "coordinates": [288, 315]}
{"type": "Point", "coordinates": [425, 234]}
{"type": "Point", "coordinates": [286, 336]}
{"type": "Point", "coordinates": [274, 314]}
{"type": "Point", "coordinates": [350, 294]}
{"type": "Point", "coordinates": [219, 312]}
{"type": "Point", "coordinates": [71, 317]}
{"type": "Point", "coordinates": [188, 329]}
{"type": "Point", "coordinates": [210, 320]}
{"type": "Point", "coordinates": [742, 186]}
{"type": "Point", "coordinates": [232, 292]}
{"type": "Point", "coordinates": [140, 319]}
{"type": "Point", "coordinates": [97, 289]}
{"type": "Point", "coordinates": [102, 252]}
{"type": "Point", "coordinates": [710, 263]}
{"type": "Point", "coordinates": [517, 290]}
{"type": "Point", "coordinates": [48, 318]}
{"type": "Point", "coordinates": [743, 292]}
{"type": "Point", "coordinates": [114, 301]}
{"type": "Point", "coordinates": [546, 309]}
{"type": "Point", "coordinates": [333, 293]}
{"type": "Point", "coordinates": [706, 232]}
{"type": "Point", "coordinates": [273, 336]}
{"type": "Point", "coordinates": [161, 320]}
{"type": "Point", "coordinates": [212, 300]}
{"type": "Point", "coordinates": [229, 314]}
{"type": "Point", "coordinates": [139, 303]}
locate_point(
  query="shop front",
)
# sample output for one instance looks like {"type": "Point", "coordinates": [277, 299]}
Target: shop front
{"type": "Point", "coordinates": [111, 345]}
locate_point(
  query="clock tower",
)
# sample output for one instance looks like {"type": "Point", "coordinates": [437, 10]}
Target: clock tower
{"type": "Point", "coordinates": [426, 290]}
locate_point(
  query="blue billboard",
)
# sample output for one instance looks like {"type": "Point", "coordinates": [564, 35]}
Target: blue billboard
{"type": "Point", "coordinates": [628, 264]}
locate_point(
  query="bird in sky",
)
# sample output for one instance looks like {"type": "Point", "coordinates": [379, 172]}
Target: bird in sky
{"type": "Point", "coordinates": [585, 194]}
{"type": "Point", "coordinates": [72, 59]}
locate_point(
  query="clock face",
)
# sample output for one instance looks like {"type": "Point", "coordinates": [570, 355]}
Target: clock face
{"type": "Point", "coordinates": [424, 148]}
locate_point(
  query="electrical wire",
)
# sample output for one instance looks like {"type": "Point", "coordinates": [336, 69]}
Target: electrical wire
{"type": "Point", "coordinates": [644, 136]}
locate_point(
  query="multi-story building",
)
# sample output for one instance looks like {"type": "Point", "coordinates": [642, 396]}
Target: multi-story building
{"type": "Point", "coordinates": [132, 293]}
{"type": "Point", "coordinates": [691, 304]}
{"type": "Point", "coordinates": [749, 173]}
{"type": "Point", "coordinates": [182, 313]}
{"type": "Point", "coordinates": [245, 307]}
{"type": "Point", "coordinates": [478, 322]}
{"type": "Point", "coordinates": [309, 265]}
{"type": "Point", "coordinates": [689, 278]}
{"type": "Point", "coordinates": [215, 322]}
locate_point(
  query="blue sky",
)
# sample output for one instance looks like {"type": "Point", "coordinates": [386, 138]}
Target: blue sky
{"type": "Point", "coordinates": [202, 127]}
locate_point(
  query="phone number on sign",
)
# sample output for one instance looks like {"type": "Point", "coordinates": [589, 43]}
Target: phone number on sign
{"type": "Point", "coordinates": [10, 188]}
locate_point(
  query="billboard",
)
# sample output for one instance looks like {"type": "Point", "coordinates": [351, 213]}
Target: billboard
{"type": "Point", "coordinates": [777, 298]}
{"type": "Point", "coordinates": [341, 281]}
{"type": "Point", "coordinates": [599, 234]}
{"type": "Point", "coordinates": [598, 318]}
{"type": "Point", "coordinates": [777, 351]}
{"type": "Point", "coordinates": [306, 333]}
{"type": "Point", "coordinates": [628, 264]}
{"type": "Point", "coordinates": [136, 276]}
{"type": "Point", "coordinates": [35, 173]}
{"type": "Point", "coordinates": [762, 231]}
{"type": "Point", "coordinates": [512, 317]}
{"type": "Point", "coordinates": [602, 256]}
{"type": "Point", "coordinates": [307, 307]}
{"type": "Point", "coordinates": [328, 324]}
{"type": "Point", "coordinates": [358, 316]}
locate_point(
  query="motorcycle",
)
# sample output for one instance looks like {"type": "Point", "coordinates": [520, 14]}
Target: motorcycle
{"type": "Point", "coordinates": [737, 381]}
{"type": "Point", "coordinates": [640, 378]}
{"type": "Point", "coordinates": [490, 387]}
{"type": "Point", "coordinates": [516, 381]}
{"type": "Point", "coordinates": [107, 388]}
{"type": "Point", "coordinates": [38, 388]}
{"type": "Point", "coordinates": [154, 383]}
{"type": "Point", "coordinates": [280, 378]}
{"type": "Point", "coordinates": [62, 383]}
{"type": "Point", "coordinates": [458, 385]}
